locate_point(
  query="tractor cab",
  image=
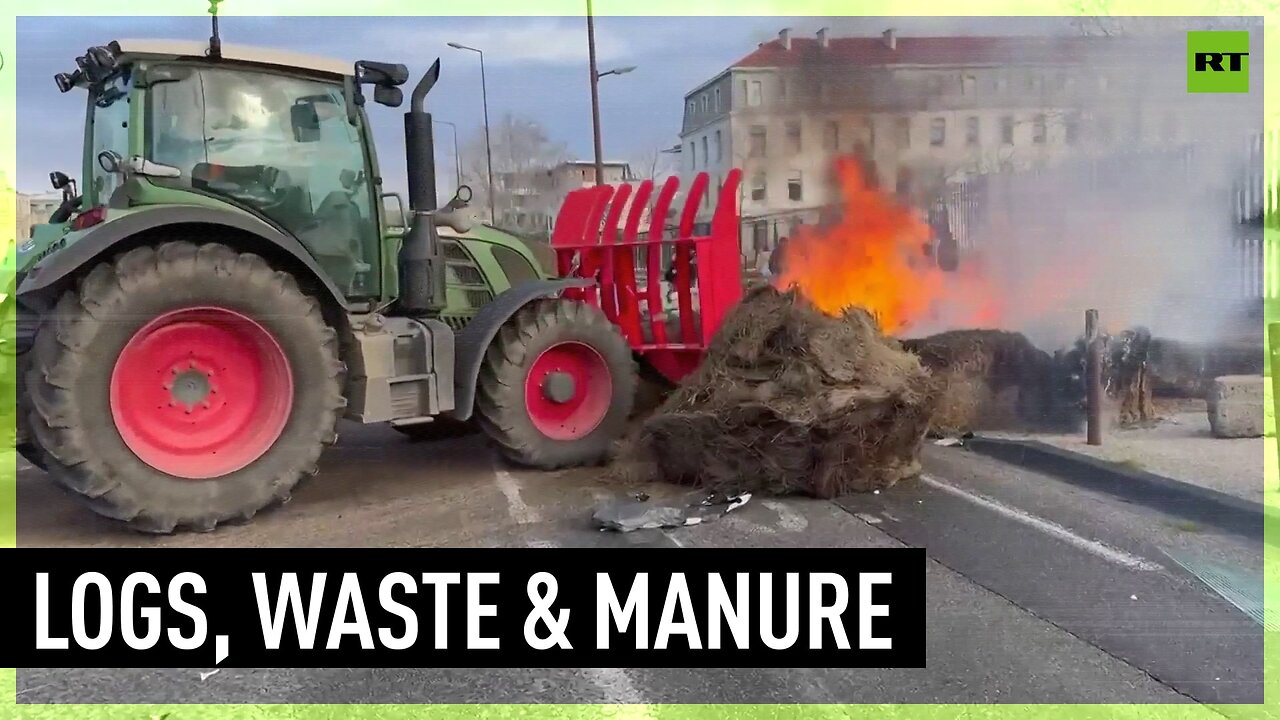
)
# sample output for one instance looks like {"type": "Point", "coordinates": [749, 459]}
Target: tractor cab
{"type": "Point", "coordinates": [280, 136]}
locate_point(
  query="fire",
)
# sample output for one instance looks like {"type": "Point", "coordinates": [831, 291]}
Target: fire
{"type": "Point", "coordinates": [874, 258]}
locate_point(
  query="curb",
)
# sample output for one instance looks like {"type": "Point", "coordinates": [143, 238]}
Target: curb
{"type": "Point", "coordinates": [1219, 510]}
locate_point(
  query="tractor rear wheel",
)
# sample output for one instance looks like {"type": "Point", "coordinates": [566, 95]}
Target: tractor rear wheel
{"type": "Point", "coordinates": [184, 385]}
{"type": "Point", "coordinates": [557, 386]}
{"type": "Point", "coordinates": [25, 442]}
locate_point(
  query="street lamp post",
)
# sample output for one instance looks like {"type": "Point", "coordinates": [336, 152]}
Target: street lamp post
{"type": "Point", "coordinates": [595, 91]}
{"type": "Point", "coordinates": [488, 147]}
{"type": "Point", "coordinates": [457, 159]}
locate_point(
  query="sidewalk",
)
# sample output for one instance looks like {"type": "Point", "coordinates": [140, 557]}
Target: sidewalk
{"type": "Point", "coordinates": [1180, 448]}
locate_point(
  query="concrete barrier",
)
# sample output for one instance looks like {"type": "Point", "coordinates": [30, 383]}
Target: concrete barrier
{"type": "Point", "coordinates": [1236, 406]}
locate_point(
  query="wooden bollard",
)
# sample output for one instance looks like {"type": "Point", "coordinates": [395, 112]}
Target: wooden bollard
{"type": "Point", "coordinates": [1093, 377]}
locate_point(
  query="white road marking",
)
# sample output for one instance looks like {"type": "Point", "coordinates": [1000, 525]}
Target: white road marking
{"type": "Point", "coordinates": [1106, 552]}
{"type": "Point", "coordinates": [516, 506]}
{"type": "Point", "coordinates": [788, 519]}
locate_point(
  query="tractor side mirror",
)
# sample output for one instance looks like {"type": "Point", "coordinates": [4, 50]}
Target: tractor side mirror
{"type": "Point", "coordinates": [111, 162]}
{"type": "Point", "coordinates": [66, 82]}
{"type": "Point", "coordinates": [461, 198]}
{"type": "Point", "coordinates": [59, 179]}
{"type": "Point", "coordinates": [389, 96]}
{"type": "Point", "coordinates": [305, 120]}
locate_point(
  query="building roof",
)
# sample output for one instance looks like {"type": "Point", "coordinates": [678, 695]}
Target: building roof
{"type": "Point", "coordinates": [592, 163]}
{"type": "Point", "coordinates": [958, 50]}
{"type": "Point", "coordinates": [173, 49]}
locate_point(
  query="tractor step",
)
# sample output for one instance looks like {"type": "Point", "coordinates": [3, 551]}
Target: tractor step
{"type": "Point", "coordinates": [400, 370]}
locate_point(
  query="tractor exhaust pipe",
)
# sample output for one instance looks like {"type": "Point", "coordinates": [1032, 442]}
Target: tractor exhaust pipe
{"type": "Point", "coordinates": [421, 265]}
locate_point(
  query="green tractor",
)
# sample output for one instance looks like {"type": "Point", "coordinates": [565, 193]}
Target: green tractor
{"type": "Point", "coordinates": [232, 279]}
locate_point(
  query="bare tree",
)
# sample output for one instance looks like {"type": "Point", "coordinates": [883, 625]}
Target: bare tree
{"type": "Point", "coordinates": [654, 165]}
{"type": "Point", "coordinates": [523, 153]}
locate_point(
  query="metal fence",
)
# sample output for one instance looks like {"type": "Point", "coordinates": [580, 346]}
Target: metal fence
{"type": "Point", "coordinates": [1252, 199]}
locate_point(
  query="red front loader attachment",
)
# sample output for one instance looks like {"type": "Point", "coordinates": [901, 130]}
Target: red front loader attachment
{"type": "Point", "coordinates": [591, 241]}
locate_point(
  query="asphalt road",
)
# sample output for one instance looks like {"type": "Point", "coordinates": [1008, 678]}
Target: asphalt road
{"type": "Point", "coordinates": [1038, 592]}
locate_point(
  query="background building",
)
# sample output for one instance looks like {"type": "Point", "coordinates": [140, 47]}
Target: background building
{"type": "Point", "coordinates": [35, 210]}
{"type": "Point", "coordinates": [534, 198]}
{"type": "Point", "coordinates": [924, 111]}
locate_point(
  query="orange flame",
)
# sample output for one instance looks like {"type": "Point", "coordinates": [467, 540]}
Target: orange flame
{"type": "Point", "coordinates": [873, 257]}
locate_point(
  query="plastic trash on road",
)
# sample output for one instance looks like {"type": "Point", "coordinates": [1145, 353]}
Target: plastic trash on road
{"type": "Point", "coordinates": [637, 513]}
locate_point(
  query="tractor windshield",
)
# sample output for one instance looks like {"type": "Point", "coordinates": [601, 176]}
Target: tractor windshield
{"type": "Point", "coordinates": [236, 134]}
{"type": "Point", "coordinates": [110, 129]}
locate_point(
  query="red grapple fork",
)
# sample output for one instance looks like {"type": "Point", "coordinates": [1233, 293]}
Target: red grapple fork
{"type": "Point", "coordinates": [589, 244]}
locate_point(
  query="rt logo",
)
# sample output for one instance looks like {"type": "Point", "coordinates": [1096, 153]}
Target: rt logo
{"type": "Point", "coordinates": [1217, 62]}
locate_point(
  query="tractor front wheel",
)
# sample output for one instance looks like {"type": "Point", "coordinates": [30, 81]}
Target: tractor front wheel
{"type": "Point", "coordinates": [557, 386]}
{"type": "Point", "coordinates": [184, 385]}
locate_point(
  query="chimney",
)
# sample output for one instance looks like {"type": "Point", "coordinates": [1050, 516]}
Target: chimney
{"type": "Point", "coordinates": [891, 39]}
{"type": "Point", "coordinates": [823, 40]}
{"type": "Point", "coordinates": [784, 37]}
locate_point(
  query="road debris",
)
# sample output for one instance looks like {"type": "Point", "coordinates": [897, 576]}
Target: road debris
{"type": "Point", "coordinates": [637, 513]}
{"type": "Point", "coordinates": [206, 675]}
{"type": "Point", "coordinates": [996, 380]}
{"type": "Point", "coordinates": [790, 400]}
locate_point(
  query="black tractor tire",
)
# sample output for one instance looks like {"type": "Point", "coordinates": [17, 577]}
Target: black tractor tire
{"type": "Point", "coordinates": [25, 443]}
{"type": "Point", "coordinates": [442, 428]}
{"type": "Point", "coordinates": [80, 343]}
{"type": "Point", "coordinates": [500, 397]}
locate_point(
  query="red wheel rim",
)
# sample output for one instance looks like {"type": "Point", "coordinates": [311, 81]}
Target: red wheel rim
{"type": "Point", "coordinates": [201, 392]}
{"type": "Point", "coordinates": [568, 391]}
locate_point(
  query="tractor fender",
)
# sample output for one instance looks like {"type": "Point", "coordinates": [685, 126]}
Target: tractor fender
{"type": "Point", "coordinates": [474, 339]}
{"type": "Point", "coordinates": [50, 272]}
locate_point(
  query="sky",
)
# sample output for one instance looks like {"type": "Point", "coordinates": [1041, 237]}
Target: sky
{"type": "Point", "coordinates": [536, 68]}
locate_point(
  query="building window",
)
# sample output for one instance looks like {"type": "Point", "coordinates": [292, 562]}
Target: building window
{"type": "Point", "coordinates": [1071, 129]}
{"type": "Point", "coordinates": [972, 132]}
{"type": "Point", "coordinates": [902, 127]}
{"type": "Point", "coordinates": [706, 160]}
{"type": "Point", "coordinates": [690, 108]}
{"type": "Point", "coordinates": [782, 88]}
{"type": "Point", "coordinates": [1006, 129]}
{"type": "Point", "coordinates": [719, 147]}
{"type": "Point", "coordinates": [758, 187]}
{"type": "Point", "coordinates": [831, 137]}
{"type": "Point", "coordinates": [718, 105]}
{"type": "Point", "coordinates": [904, 183]}
{"type": "Point", "coordinates": [706, 104]}
{"type": "Point", "coordinates": [1038, 130]}
{"type": "Point", "coordinates": [938, 132]}
{"type": "Point", "coordinates": [693, 158]}
{"type": "Point", "coordinates": [999, 83]}
{"type": "Point", "coordinates": [753, 93]}
{"type": "Point", "coordinates": [968, 85]}
{"type": "Point", "coordinates": [795, 186]}
{"type": "Point", "coordinates": [757, 148]}
{"type": "Point", "coordinates": [793, 137]}
{"type": "Point", "coordinates": [869, 134]}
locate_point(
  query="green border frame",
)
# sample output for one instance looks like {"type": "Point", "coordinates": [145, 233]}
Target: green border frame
{"type": "Point", "coordinates": [1268, 9]}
